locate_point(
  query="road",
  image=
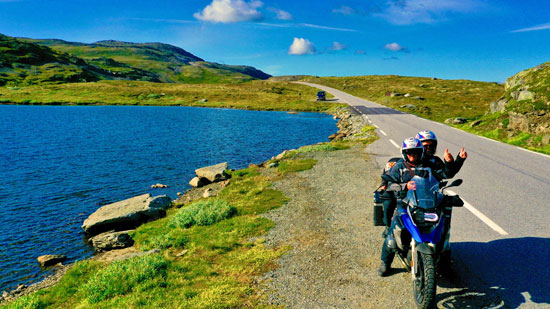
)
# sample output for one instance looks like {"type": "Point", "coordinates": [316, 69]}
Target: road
{"type": "Point", "coordinates": [501, 240]}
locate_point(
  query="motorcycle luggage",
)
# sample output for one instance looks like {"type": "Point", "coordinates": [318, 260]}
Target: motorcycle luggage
{"type": "Point", "coordinates": [378, 215]}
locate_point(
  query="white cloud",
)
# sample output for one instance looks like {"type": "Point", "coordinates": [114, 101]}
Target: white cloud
{"type": "Point", "coordinates": [337, 46]}
{"type": "Point", "coordinates": [301, 46]}
{"type": "Point", "coordinates": [534, 28]}
{"type": "Point", "coordinates": [394, 47]}
{"type": "Point", "coordinates": [230, 11]}
{"type": "Point", "coordinates": [405, 12]}
{"type": "Point", "coordinates": [344, 10]}
{"type": "Point", "coordinates": [282, 15]}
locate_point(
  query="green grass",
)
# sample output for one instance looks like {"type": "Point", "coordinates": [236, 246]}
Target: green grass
{"type": "Point", "coordinates": [256, 95]}
{"type": "Point", "coordinates": [295, 165]}
{"type": "Point", "coordinates": [203, 213]}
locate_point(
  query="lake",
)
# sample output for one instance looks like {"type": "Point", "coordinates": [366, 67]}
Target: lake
{"type": "Point", "coordinates": [60, 163]}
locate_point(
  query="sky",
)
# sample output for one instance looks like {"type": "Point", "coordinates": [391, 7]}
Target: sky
{"type": "Point", "coordinates": [484, 40]}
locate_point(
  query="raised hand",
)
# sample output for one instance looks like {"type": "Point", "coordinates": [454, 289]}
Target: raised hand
{"type": "Point", "coordinates": [448, 156]}
{"type": "Point", "coordinates": [463, 153]}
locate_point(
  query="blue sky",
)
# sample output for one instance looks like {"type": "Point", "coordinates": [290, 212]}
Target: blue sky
{"type": "Point", "coordinates": [484, 40]}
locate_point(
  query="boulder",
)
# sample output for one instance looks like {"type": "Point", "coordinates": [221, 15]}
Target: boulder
{"type": "Point", "coordinates": [498, 106]}
{"type": "Point", "coordinates": [207, 193]}
{"type": "Point", "coordinates": [518, 122]}
{"type": "Point", "coordinates": [213, 173]}
{"type": "Point", "coordinates": [112, 240]}
{"type": "Point", "coordinates": [282, 154]}
{"type": "Point", "coordinates": [198, 182]}
{"type": "Point", "coordinates": [126, 214]}
{"type": "Point", "coordinates": [525, 95]}
{"type": "Point", "coordinates": [457, 120]}
{"type": "Point", "coordinates": [410, 106]}
{"type": "Point", "coordinates": [158, 185]}
{"type": "Point", "coordinates": [407, 95]}
{"type": "Point", "coordinates": [546, 139]}
{"type": "Point", "coordinates": [475, 123]}
{"type": "Point", "coordinates": [50, 259]}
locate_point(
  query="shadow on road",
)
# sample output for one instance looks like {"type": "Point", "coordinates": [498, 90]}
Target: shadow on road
{"type": "Point", "coordinates": [510, 268]}
{"type": "Point", "coordinates": [376, 110]}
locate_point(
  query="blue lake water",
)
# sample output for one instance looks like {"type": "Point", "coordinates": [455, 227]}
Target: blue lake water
{"type": "Point", "coordinates": [59, 164]}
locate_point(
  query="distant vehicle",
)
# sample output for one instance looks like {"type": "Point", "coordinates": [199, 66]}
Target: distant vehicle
{"type": "Point", "coordinates": [321, 96]}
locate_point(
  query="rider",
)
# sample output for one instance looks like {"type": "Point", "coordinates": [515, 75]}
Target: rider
{"type": "Point", "coordinates": [402, 173]}
{"type": "Point", "coordinates": [448, 167]}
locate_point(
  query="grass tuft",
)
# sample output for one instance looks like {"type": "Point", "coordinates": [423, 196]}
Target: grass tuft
{"type": "Point", "coordinates": [203, 213]}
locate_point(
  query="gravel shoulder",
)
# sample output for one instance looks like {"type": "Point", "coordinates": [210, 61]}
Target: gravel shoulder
{"type": "Point", "coordinates": [335, 246]}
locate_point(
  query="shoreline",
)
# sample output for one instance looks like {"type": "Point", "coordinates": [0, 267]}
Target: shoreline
{"type": "Point", "coordinates": [347, 127]}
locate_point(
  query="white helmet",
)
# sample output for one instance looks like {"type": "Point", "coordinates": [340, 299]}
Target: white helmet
{"type": "Point", "coordinates": [427, 135]}
{"type": "Point", "coordinates": [412, 145]}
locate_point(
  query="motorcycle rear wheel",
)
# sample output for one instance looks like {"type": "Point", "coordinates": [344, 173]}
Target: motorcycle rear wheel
{"type": "Point", "coordinates": [424, 282]}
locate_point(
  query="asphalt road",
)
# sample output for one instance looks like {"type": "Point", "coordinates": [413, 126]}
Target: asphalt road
{"type": "Point", "coordinates": [501, 240]}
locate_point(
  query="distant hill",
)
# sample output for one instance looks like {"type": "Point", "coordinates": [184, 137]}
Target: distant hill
{"type": "Point", "coordinates": [526, 100]}
{"type": "Point", "coordinates": [23, 62]}
{"type": "Point", "coordinates": [32, 61]}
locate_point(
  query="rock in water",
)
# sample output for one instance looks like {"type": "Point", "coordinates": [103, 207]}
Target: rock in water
{"type": "Point", "coordinates": [126, 214]}
{"type": "Point", "coordinates": [213, 173]}
{"type": "Point", "coordinates": [50, 259]}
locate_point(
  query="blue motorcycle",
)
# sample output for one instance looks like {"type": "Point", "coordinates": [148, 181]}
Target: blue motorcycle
{"type": "Point", "coordinates": [422, 233]}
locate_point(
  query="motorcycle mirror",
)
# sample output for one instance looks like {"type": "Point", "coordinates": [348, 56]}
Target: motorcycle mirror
{"type": "Point", "coordinates": [456, 183]}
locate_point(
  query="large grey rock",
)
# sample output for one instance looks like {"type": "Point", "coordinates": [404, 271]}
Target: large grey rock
{"type": "Point", "coordinates": [50, 259]}
{"type": "Point", "coordinates": [126, 214]}
{"type": "Point", "coordinates": [498, 106]}
{"type": "Point", "coordinates": [213, 173]}
{"type": "Point", "coordinates": [198, 182]}
{"type": "Point", "coordinates": [112, 240]}
{"type": "Point", "coordinates": [518, 122]}
{"type": "Point", "coordinates": [457, 120]}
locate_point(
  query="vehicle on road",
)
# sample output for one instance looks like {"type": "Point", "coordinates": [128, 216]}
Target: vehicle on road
{"type": "Point", "coordinates": [321, 96]}
{"type": "Point", "coordinates": [422, 233]}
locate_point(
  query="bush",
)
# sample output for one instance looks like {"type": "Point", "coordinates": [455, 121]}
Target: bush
{"type": "Point", "coordinates": [203, 213]}
{"type": "Point", "coordinates": [122, 277]}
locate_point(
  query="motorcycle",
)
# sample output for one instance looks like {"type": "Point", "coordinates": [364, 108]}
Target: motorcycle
{"type": "Point", "coordinates": [422, 233]}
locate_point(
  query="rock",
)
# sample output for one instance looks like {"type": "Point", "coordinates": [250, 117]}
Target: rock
{"type": "Point", "coordinates": [410, 106]}
{"type": "Point", "coordinates": [475, 123]}
{"type": "Point", "coordinates": [272, 165]}
{"type": "Point", "coordinates": [198, 182]}
{"type": "Point", "coordinates": [518, 122]}
{"type": "Point", "coordinates": [282, 154]}
{"type": "Point", "coordinates": [158, 185]}
{"type": "Point", "coordinates": [225, 183]}
{"type": "Point", "coordinates": [407, 95]}
{"type": "Point", "coordinates": [498, 106]}
{"type": "Point", "coordinates": [50, 259]}
{"type": "Point", "coordinates": [179, 194]}
{"type": "Point", "coordinates": [396, 94]}
{"type": "Point", "coordinates": [252, 165]}
{"type": "Point", "coordinates": [525, 95]}
{"type": "Point", "coordinates": [546, 139]}
{"type": "Point", "coordinates": [457, 120]}
{"type": "Point", "coordinates": [419, 98]}
{"type": "Point", "coordinates": [203, 100]}
{"type": "Point", "coordinates": [112, 240]}
{"type": "Point", "coordinates": [207, 192]}
{"type": "Point", "coordinates": [213, 173]}
{"type": "Point", "coordinates": [126, 214]}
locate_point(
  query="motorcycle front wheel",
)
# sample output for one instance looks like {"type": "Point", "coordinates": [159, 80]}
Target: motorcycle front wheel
{"type": "Point", "coordinates": [424, 282]}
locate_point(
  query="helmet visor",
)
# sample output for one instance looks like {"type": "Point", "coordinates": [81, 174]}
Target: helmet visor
{"type": "Point", "coordinates": [414, 151]}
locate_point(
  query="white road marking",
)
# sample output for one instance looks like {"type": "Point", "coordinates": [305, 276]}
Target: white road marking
{"type": "Point", "coordinates": [396, 146]}
{"type": "Point", "coordinates": [383, 133]}
{"type": "Point", "coordinates": [531, 151]}
{"type": "Point", "coordinates": [482, 217]}
{"type": "Point", "coordinates": [376, 126]}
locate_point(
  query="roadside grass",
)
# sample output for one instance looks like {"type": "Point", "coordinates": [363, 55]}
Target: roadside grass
{"type": "Point", "coordinates": [252, 95]}
{"type": "Point", "coordinates": [210, 265]}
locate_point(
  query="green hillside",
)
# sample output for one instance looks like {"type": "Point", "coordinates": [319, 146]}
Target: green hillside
{"type": "Point", "coordinates": [27, 63]}
{"type": "Point", "coordinates": [153, 62]}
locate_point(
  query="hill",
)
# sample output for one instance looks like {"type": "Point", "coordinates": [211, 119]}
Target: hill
{"type": "Point", "coordinates": [153, 61]}
{"type": "Point", "coordinates": [30, 61]}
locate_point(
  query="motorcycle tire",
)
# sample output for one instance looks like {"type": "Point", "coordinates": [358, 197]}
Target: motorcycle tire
{"type": "Point", "coordinates": [424, 282]}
